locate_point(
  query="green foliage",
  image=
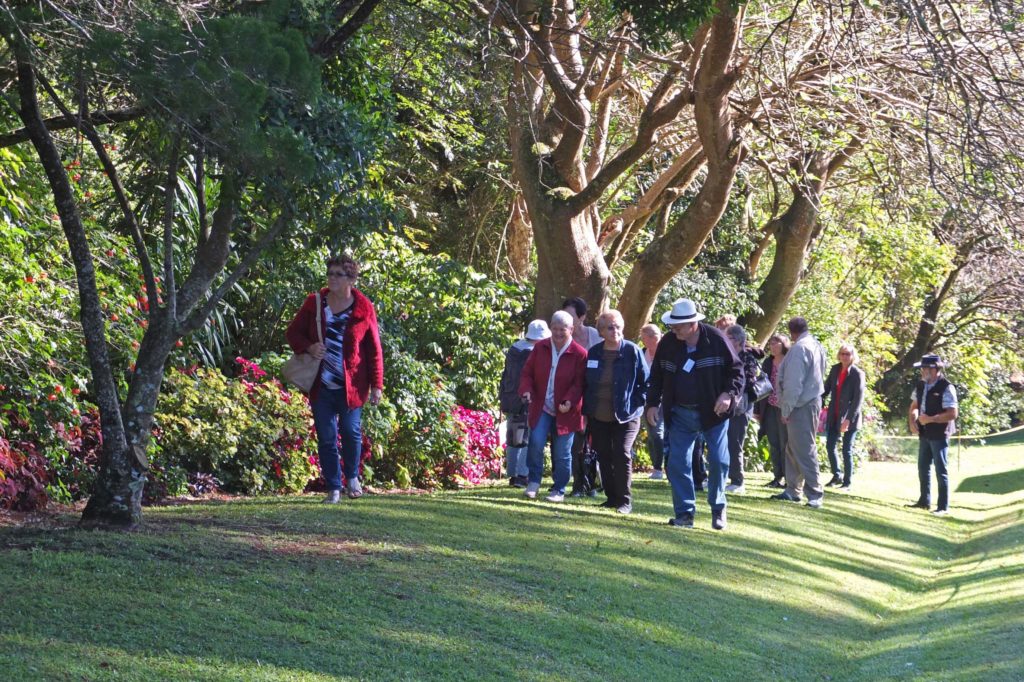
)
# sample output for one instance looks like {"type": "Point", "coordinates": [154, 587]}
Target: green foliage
{"type": "Point", "coordinates": [254, 437]}
{"type": "Point", "coordinates": [440, 312]}
{"type": "Point", "coordinates": [663, 22]}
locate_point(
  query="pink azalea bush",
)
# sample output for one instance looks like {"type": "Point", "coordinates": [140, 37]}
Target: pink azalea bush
{"type": "Point", "coordinates": [482, 458]}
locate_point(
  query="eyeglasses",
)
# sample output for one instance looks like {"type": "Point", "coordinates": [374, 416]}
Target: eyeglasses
{"type": "Point", "coordinates": [343, 275]}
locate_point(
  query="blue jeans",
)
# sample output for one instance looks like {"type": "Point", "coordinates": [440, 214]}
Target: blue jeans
{"type": "Point", "coordinates": [515, 461]}
{"type": "Point", "coordinates": [933, 451]}
{"type": "Point", "coordinates": [831, 440]}
{"type": "Point", "coordinates": [656, 441]}
{"type": "Point", "coordinates": [684, 429]}
{"type": "Point", "coordinates": [561, 453]}
{"type": "Point", "coordinates": [331, 411]}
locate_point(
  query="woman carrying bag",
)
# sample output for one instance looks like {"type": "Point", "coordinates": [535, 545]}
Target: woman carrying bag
{"type": "Point", "coordinates": [351, 370]}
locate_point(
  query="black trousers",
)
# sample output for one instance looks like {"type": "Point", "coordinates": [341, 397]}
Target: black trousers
{"type": "Point", "coordinates": [737, 432]}
{"type": "Point", "coordinates": [614, 445]}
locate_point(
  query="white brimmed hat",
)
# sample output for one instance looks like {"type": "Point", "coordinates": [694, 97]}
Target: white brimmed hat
{"type": "Point", "coordinates": [683, 310]}
{"type": "Point", "coordinates": [538, 331]}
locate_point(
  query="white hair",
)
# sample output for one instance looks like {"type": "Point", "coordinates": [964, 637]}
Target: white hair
{"type": "Point", "coordinates": [561, 317]}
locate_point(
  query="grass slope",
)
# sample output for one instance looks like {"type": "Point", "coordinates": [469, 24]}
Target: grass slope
{"type": "Point", "coordinates": [483, 584]}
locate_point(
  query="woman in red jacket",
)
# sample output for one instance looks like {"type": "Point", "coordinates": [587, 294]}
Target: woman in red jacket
{"type": "Point", "coordinates": [351, 370]}
{"type": "Point", "coordinates": [552, 385]}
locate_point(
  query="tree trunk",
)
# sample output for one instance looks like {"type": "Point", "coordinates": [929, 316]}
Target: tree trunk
{"type": "Point", "coordinates": [569, 262]}
{"type": "Point", "coordinates": [667, 255]}
{"type": "Point", "coordinates": [794, 231]}
{"type": "Point", "coordinates": [120, 480]}
{"type": "Point", "coordinates": [518, 240]}
{"type": "Point", "coordinates": [891, 384]}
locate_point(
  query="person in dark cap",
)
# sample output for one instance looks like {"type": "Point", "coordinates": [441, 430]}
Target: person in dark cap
{"type": "Point", "coordinates": [932, 416]}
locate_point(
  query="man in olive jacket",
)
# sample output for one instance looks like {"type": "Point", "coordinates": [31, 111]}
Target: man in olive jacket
{"type": "Point", "coordinates": [699, 378]}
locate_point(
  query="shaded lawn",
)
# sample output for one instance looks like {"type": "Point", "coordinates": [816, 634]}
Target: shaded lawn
{"type": "Point", "coordinates": [483, 584]}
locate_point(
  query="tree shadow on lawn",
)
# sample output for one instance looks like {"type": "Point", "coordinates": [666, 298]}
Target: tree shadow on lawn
{"type": "Point", "coordinates": [467, 593]}
{"type": "Point", "coordinates": [999, 483]}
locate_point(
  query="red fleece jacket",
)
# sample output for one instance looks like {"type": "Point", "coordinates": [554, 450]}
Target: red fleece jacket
{"type": "Point", "coordinates": [569, 374]}
{"type": "Point", "coordinates": [364, 358]}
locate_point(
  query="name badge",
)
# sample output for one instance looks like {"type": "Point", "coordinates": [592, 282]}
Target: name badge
{"type": "Point", "coordinates": [688, 365]}
{"type": "Point", "coordinates": [591, 364]}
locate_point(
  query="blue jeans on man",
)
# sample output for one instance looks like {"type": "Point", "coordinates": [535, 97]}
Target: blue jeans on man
{"type": "Point", "coordinates": [561, 453]}
{"type": "Point", "coordinates": [933, 451]}
{"type": "Point", "coordinates": [684, 429]}
{"type": "Point", "coordinates": [331, 413]}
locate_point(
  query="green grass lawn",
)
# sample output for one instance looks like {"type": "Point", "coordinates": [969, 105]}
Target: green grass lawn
{"type": "Point", "coordinates": [484, 584]}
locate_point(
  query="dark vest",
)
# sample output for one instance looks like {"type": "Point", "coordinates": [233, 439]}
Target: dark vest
{"type": "Point", "coordinates": [931, 405]}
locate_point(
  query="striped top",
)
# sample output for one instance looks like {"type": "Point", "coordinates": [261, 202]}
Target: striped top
{"type": "Point", "coordinates": [333, 372]}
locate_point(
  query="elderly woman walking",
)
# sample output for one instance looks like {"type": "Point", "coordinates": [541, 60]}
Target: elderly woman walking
{"type": "Point", "coordinates": [616, 388]}
{"type": "Point", "coordinates": [845, 384]}
{"type": "Point", "coordinates": [750, 356]}
{"type": "Point", "coordinates": [770, 414]}
{"type": "Point", "coordinates": [552, 386]}
{"type": "Point", "coordinates": [351, 370]}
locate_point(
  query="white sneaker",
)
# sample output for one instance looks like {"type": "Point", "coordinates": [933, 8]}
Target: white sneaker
{"type": "Point", "coordinates": [816, 503]}
{"type": "Point", "coordinates": [657, 475]}
{"type": "Point", "coordinates": [737, 489]}
{"type": "Point", "coordinates": [333, 497]}
{"type": "Point", "coordinates": [531, 490]}
{"type": "Point", "coordinates": [555, 497]}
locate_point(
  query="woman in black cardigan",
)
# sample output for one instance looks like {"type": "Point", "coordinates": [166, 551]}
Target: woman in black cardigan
{"type": "Point", "coordinates": [845, 385]}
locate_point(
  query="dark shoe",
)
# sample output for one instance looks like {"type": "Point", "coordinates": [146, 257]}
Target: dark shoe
{"type": "Point", "coordinates": [699, 488]}
{"type": "Point", "coordinates": [776, 484]}
{"type": "Point", "coordinates": [833, 482]}
{"type": "Point", "coordinates": [576, 493]}
{"type": "Point", "coordinates": [607, 504]}
{"type": "Point", "coordinates": [624, 508]}
{"type": "Point", "coordinates": [592, 493]}
{"type": "Point", "coordinates": [684, 521]}
{"type": "Point", "coordinates": [718, 519]}
{"type": "Point", "coordinates": [785, 497]}
{"type": "Point", "coordinates": [520, 482]}
{"type": "Point", "coordinates": [920, 504]}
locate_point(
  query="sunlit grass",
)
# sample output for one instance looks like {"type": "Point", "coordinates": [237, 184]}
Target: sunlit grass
{"type": "Point", "coordinates": [484, 584]}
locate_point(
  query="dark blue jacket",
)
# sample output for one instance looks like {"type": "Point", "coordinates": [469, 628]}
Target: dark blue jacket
{"type": "Point", "coordinates": [629, 381]}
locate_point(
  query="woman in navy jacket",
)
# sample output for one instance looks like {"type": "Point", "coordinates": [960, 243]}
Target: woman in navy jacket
{"type": "Point", "coordinates": [613, 402]}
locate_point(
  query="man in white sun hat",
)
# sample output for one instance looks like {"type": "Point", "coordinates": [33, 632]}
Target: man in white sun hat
{"type": "Point", "coordinates": [699, 379]}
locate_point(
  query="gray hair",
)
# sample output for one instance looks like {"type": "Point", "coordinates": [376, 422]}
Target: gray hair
{"type": "Point", "coordinates": [737, 333]}
{"type": "Point", "coordinates": [611, 314]}
{"type": "Point", "coordinates": [561, 317]}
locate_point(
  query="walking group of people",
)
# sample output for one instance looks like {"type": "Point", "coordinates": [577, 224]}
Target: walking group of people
{"type": "Point", "coordinates": [696, 387]}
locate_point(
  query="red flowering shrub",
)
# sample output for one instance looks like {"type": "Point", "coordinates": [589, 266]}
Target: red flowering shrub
{"type": "Point", "coordinates": [481, 458]}
{"type": "Point", "coordinates": [22, 476]}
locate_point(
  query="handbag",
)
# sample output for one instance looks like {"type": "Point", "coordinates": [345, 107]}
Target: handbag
{"type": "Point", "coordinates": [822, 419]}
{"type": "Point", "coordinates": [762, 387]}
{"type": "Point", "coordinates": [301, 369]}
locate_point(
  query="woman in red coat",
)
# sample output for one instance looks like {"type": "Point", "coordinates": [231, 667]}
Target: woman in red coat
{"type": "Point", "coordinates": [351, 370]}
{"type": "Point", "coordinates": [552, 385]}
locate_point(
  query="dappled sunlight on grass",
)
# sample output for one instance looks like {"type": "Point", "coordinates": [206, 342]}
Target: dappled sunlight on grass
{"type": "Point", "coordinates": [484, 584]}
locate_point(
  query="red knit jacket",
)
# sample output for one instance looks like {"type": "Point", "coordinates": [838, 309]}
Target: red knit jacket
{"type": "Point", "coordinates": [364, 358]}
{"type": "Point", "coordinates": [569, 375]}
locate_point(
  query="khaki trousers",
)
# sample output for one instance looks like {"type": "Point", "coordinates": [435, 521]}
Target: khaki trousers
{"type": "Point", "coordinates": [802, 473]}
